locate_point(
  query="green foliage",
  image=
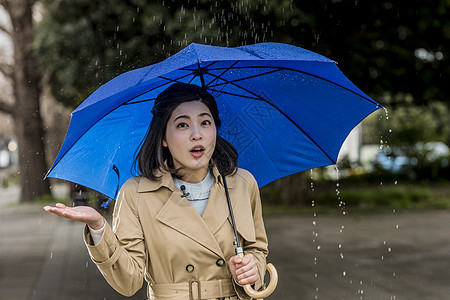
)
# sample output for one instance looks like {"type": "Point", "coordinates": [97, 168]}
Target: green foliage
{"type": "Point", "coordinates": [83, 44]}
{"type": "Point", "coordinates": [373, 198]}
{"type": "Point", "coordinates": [407, 124]}
{"type": "Point", "coordinates": [400, 47]}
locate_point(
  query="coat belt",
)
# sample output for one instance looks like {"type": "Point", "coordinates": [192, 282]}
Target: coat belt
{"type": "Point", "coordinates": [193, 290]}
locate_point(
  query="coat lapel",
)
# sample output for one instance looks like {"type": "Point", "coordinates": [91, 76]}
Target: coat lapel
{"type": "Point", "coordinates": [216, 210]}
{"type": "Point", "coordinates": [180, 215]}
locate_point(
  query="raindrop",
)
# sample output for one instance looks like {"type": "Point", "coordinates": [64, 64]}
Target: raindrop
{"type": "Point", "coordinates": [387, 113]}
{"type": "Point", "coordinates": [340, 246]}
{"type": "Point", "coordinates": [51, 255]}
{"type": "Point", "coordinates": [314, 223]}
{"type": "Point", "coordinates": [396, 226]}
{"type": "Point", "coordinates": [389, 249]}
{"type": "Point", "coordinates": [318, 247]}
{"type": "Point", "coordinates": [344, 273]}
{"type": "Point", "coordinates": [87, 263]}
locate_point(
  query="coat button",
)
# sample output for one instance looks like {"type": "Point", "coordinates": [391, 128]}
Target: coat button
{"type": "Point", "coordinates": [190, 268]}
{"type": "Point", "coordinates": [220, 262]}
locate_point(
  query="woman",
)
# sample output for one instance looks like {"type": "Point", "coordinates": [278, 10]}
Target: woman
{"type": "Point", "coordinates": [171, 224]}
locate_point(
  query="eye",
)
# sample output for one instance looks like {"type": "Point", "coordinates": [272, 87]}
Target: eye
{"type": "Point", "coordinates": [182, 125]}
{"type": "Point", "coordinates": [206, 122]}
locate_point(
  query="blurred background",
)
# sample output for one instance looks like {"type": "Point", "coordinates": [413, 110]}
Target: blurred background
{"type": "Point", "coordinates": [54, 53]}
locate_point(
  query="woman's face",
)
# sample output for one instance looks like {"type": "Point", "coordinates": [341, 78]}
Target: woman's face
{"type": "Point", "coordinates": [191, 139]}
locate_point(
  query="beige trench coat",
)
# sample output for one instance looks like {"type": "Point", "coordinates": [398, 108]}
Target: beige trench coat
{"type": "Point", "coordinates": [159, 236]}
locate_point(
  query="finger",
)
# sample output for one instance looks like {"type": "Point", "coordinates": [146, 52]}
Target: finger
{"type": "Point", "coordinates": [248, 279]}
{"type": "Point", "coordinates": [247, 260]}
{"type": "Point", "coordinates": [60, 205]}
{"type": "Point", "coordinates": [248, 273]}
{"type": "Point", "coordinates": [235, 260]}
{"type": "Point", "coordinates": [54, 210]}
{"type": "Point", "coordinates": [246, 268]}
{"type": "Point", "coordinates": [48, 208]}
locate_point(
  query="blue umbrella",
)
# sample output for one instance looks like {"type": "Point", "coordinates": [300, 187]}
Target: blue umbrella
{"type": "Point", "coordinates": [284, 108]}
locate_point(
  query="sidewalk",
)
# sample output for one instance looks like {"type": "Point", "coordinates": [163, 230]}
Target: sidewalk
{"type": "Point", "coordinates": [401, 256]}
{"type": "Point", "coordinates": [44, 257]}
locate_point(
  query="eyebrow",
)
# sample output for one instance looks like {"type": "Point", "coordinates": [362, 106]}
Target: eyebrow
{"type": "Point", "coordinates": [188, 117]}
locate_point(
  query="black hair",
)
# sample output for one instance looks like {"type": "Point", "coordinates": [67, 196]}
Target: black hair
{"type": "Point", "coordinates": [153, 157]}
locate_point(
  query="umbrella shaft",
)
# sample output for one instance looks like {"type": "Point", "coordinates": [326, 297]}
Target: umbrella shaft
{"type": "Point", "coordinates": [238, 246]}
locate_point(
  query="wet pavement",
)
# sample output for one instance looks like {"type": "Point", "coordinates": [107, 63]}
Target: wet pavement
{"type": "Point", "coordinates": [395, 255]}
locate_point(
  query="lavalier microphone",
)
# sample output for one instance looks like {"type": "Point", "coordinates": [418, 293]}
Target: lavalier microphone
{"type": "Point", "coordinates": [183, 190]}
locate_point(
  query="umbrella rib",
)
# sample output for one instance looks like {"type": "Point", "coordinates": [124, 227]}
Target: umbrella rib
{"type": "Point", "coordinates": [284, 114]}
{"type": "Point", "coordinates": [217, 78]}
{"type": "Point", "coordinates": [125, 103]}
{"type": "Point", "coordinates": [233, 94]}
{"type": "Point", "coordinates": [156, 87]}
{"type": "Point", "coordinates": [298, 71]}
{"type": "Point", "coordinates": [249, 77]}
{"type": "Point", "coordinates": [221, 74]}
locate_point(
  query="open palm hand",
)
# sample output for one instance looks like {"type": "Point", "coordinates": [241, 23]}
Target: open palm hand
{"type": "Point", "coordinates": [83, 214]}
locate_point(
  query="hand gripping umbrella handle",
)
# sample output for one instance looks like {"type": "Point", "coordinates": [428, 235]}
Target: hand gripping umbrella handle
{"type": "Point", "coordinates": [240, 251]}
{"type": "Point", "coordinates": [270, 287]}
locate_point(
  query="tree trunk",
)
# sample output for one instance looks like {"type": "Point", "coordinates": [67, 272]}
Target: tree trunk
{"type": "Point", "coordinates": [27, 92]}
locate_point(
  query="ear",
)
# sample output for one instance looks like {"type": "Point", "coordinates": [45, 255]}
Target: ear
{"type": "Point", "coordinates": [164, 143]}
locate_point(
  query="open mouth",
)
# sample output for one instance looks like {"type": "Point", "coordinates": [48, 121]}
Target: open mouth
{"type": "Point", "coordinates": [197, 150]}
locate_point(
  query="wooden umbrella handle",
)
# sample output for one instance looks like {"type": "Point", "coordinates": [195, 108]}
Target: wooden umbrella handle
{"type": "Point", "coordinates": [270, 287]}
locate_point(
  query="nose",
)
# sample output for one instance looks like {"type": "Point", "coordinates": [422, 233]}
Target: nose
{"type": "Point", "coordinates": [196, 133]}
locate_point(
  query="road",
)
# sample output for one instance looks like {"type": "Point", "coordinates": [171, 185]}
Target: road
{"type": "Point", "coordinates": [395, 255]}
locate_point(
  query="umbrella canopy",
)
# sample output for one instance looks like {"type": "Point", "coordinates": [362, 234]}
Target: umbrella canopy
{"type": "Point", "coordinates": [284, 108]}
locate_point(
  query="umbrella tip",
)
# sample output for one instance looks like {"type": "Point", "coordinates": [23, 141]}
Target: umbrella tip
{"type": "Point", "coordinates": [106, 203]}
